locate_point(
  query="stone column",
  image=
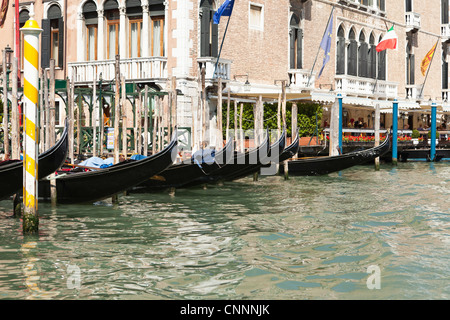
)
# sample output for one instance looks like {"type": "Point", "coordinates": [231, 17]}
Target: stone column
{"type": "Point", "coordinates": [145, 26]}
{"type": "Point", "coordinates": [100, 35]}
{"type": "Point", "coordinates": [81, 49]}
{"type": "Point", "coordinates": [123, 33]}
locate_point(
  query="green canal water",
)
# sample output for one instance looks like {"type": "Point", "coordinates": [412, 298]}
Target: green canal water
{"type": "Point", "coordinates": [357, 234]}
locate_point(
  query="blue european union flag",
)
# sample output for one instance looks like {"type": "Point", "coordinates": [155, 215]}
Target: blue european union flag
{"type": "Point", "coordinates": [225, 10]}
{"type": "Point", "coordinates": [326, 44]}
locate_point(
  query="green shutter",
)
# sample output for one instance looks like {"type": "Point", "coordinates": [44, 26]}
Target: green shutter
{"type": "Point", "coordinates": [61, 42]}
{"type": "Point", "coordinates": [45, 45]}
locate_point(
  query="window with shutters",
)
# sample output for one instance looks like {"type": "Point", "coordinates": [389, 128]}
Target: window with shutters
{"type": "Point", "coordinates": [208, 30]}
{"type": "Point", "coordinates": [24, 15]}
{"type": "Point", "coordinates": [444, 66]}
{"type": "Point", "coordinates": [256, 17]}
{"type": "Point", "coordinates": [409, 63]}
{"type": "Point", "coordinates": [135, 39]}
{"type": "Point", "coordinates": [157, 37]}
{"type": "Point", "coordinates": [112, 28]}
{"type": "Point", "coordinates": [372, 58]}
{"type": "Point", "coordinates": [408, 5]}
{"type": "Point", "coordinates": [296, 44]}
{"type": "Point", "coordinates": [352, 54]}
{"type": "Point", "coordinates": [52, 46]}
{"type": "Point", "coordinates": [91, 21]}
{"type": "Point", "coordinates": [340, 51]}
{"type": "Point", "coordinates": [362, 56]}
{"type": "Point", "coordinates": [444, 11]}
{"type": "Point", "coordinates": [381, 57]}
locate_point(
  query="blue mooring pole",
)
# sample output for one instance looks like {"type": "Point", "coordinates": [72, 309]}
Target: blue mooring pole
{"type": "Point", "coordinates": [339, 96]}
{"type": "Point", "coordinates": [433, 132]}
{"type": "Point", "coordinates": [394, 131]}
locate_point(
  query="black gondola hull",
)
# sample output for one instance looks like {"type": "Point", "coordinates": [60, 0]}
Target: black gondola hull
{"type": "Point", "coordinates": [11, 172]}
{"type": "Point", "coordinates": [91, 186]}
{"type": "Point", "coordinates": [324, 165]}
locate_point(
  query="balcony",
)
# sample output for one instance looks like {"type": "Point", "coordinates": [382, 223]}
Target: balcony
{"type": "Point", "coordinates": [300, 79]}
{"type": "Point", "coordinates": [209, 63]}
{"type": "Point", "coordinates": [149, 68]}
{"type": "Point", "coordinates": [445, 32]}
{"type": "Point", "coordinates": [413, 91]}
{"type": "Point", "coordinates": [366, 87]}
{"type": "Point", "coordinates": [412, 21]}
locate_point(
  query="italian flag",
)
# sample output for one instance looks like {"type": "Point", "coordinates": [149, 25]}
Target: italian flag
{"type": "Point", "coordinates": [389, 41]}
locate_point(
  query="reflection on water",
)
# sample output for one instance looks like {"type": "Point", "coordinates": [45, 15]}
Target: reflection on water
{"type": "Point", "coordinates": [305, 238]}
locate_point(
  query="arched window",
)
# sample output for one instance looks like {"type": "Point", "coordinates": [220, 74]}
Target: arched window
{"type": "Point", "coordinates": [52, 37]}
{"type": "Point", "coordinates": [352, 54]}
{"type": "Point", "coordinates": [91, 21]}
{"type": "Point", "coordinates": [24, 15]}
{"type": "Point", "coordinates": [381, 57]}
{"type": "Point", "coordinates": [372, 62]}
{"type": "Point", "coordinates": [135, 40]}
{"type": "Point", "coordinates": [444, 12]}
{"type": "Point", "coordinates": [208, 30]}
{"type": "Point", "coordinates": [340, 51]}
{"type": "Point", "coordinates": [296, 39]}
{"type": "Point", "coordinates": [112, 15]}
{"type": "Point", "coordinates": [363, 52]}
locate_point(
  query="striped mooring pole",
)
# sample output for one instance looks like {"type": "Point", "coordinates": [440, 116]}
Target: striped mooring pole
{"type": "Point", "coordinates": [31, 33]}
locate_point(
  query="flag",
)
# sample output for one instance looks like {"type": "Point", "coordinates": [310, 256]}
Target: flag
{"type": "Point", "coordinates": [225, 10]}
{"type": "Point", "coordinates": [426, 61]}
{"type": "Point", "coordinates": [325, 44]}
{"type": "Point", "coordinates": [389, 41]}
{"type": "Point", "coordinates": [3, 12]}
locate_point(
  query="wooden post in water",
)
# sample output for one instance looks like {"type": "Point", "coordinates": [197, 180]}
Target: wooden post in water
{"type": "Point", "coordinates": [219, 134]}
{"type": "Point", "coordinates": [79, 113]}
{"type": "Point", "coordinates": [31, 33]}
{"type": "Point", "coordinates": [41, 114]}
{"type": "Point", "coordinates": [124, 119]}
{"type": "Point", "coordinates": [205, 116]}
{"type": "Point", "coordinates": [228, 112]}
{"type": "Point", "coordinates": [47, 110]}
{"type": "Point", "coordinates": [51, 131]}
{"type": "Point", "coordinates": [235, 113]}
{"type": "Point", "coordinates": [15, 127]}
{"type": "Point", "coordinates": [94, 115]}
{"type": "Point", "coordinates": [283, 102]}
{"type": "Point", "coordinates": [174, 105]}
{"type": "Point", "coordinates": [376, 127]}
{"type": "Point", "coordinates": [137, 130]}
{"type": "Point", "coordinates": [279, 114]}
{"type": "Point", "coordinates": [241, 130]}
{"type": "Point", "coordinates": [117, 110]}
{"type": "Point", "coordinates": [146, 121]}
{"type": "Point", "coordinates": [70, 118]}
{"type": "Point", "coordinates": [334, 127]}
{"type": "Point", "coordinates": [5, 109]}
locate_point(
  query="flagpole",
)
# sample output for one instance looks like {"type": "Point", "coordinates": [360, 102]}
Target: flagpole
{"type": "Point", "coordinates": [428, 69]}
{"type": "Point", "coordinates": [318, 50]}
{"type": "Point", "coordinates": [376, 79]}
{"type": "Point", "coordinates": [220, 50]}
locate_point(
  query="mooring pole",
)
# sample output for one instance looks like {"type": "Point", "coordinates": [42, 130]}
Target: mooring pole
{"type": "Point", "coordinates": [339, 96]}
{"type": "Point", "coordinates": [433, 132]}
{"type": "Point", "coordinates": [31, 33]}
{"type": "Point", "coordinates": [394, 131]}
{"type": "Point", "coordinates": [376, 128]}
{"type": "Point", "coordinates": [5, 108]}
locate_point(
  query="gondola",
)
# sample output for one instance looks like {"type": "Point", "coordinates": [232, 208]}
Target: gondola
{"type": "Point", "coordinates": [423, 155]}
{"type": "Point", "coordinates": [11, 171]}
{"type": "Point", "coordinates": [263, 160]}
{"type": "Point", "coordinates": [183, 175]}
{"type": "Point", "coordinates": [324, 165]}
{"type": "Point", "coordinates": [291, 150]}
{"type": "Point", "coordinates": [91, 186]}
